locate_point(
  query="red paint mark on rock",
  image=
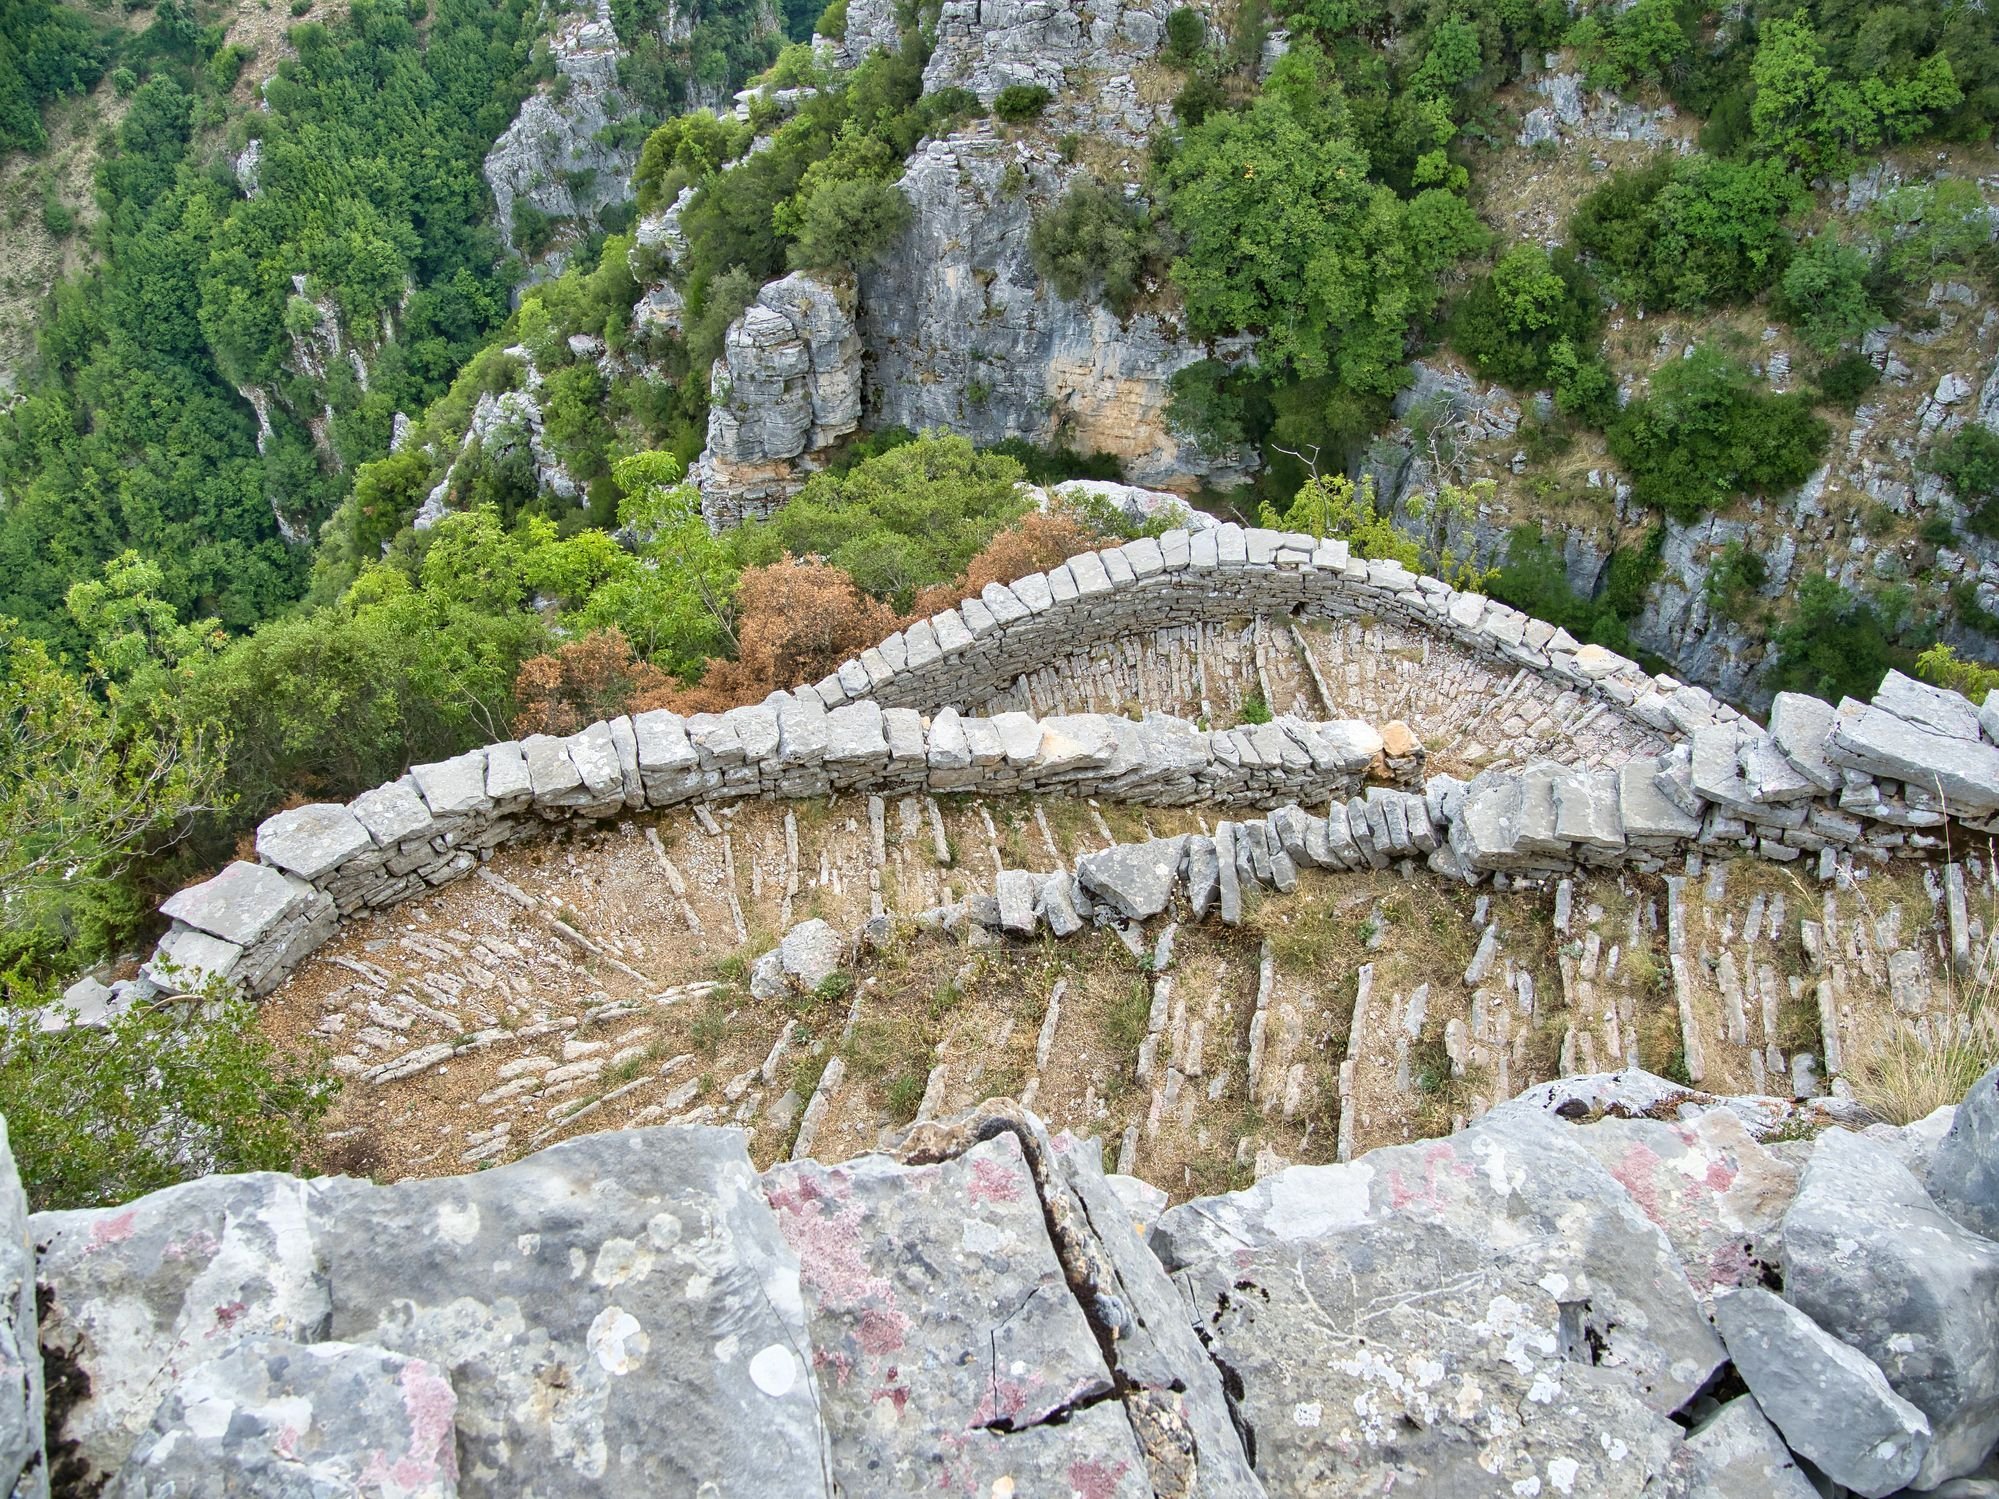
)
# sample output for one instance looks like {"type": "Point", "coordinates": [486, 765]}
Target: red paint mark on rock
{"type": "Point", "coordinates": [115, 1229]}
{"type": "Point", "coordinates": [880, 1331]}
{"type": "Point", "coordinates": [992, 1182]}
{"type": "Point", "coordinates": [1635, 1173]}
{"type": "Point", "coordinates": [1095, 1480]}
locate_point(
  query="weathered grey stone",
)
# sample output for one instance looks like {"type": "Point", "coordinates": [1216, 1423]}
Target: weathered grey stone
{"type": "Point", "coordinates": [1740, 1456]}
{"type": "Point", "coordinates": [242, 904]}
{"type": "Point", "coordinates": [454, 787]}
{"type": "Point", "coordinates": [1963, 1175]}
{"type": "Point", "coordinates": [1964, 772]}
{"type": "Point", "coordinates": [312, 841]}
{"type": "Point", "coordinates": [596, 757]}
{"type": "Point", "coordinates": [507, 779]}
{"type": "Point", "coordinates": [1799, 724]}
{"type": "Point", "coordinates": [1203, 875]}
{"type": "Point", "coordinates": [1078, 741]}
{"type": "Point", "coordinates": [137, 1297]}
{"type": "Point", "coordinates": [1830, 1400]}
{"type": "Point", "coordinates": [1485, 1266]}
{"type": "Point", "coordinates": [937, 1294]}
{"type": "Point", "coordinates": [662, 743]}
{"type": "Point", "coordinates": [1718, 1195]}
{"type": "Point", "coordinates": [1645, 814]}
{"type": "Point", "coordinates": [393, 812]}
{"type": "Point", "coordinates": [1869, 1257]}
{"type": "Point", "coordinates": [1935, 708]}
{"type": "Point", "coordinates": [1136, 879]}
{"type": "Point", "coordinates": [1016, 889]}
{"type": "Point", "coordinates": [855, 735]}
{"type": "Point", "coordinates": [271, 1419]}
{"type": "Point", "coordinates": [554, 775]}
{"type": "Point", "coordinates": [1056, 902]}
{"type": "Point", "coordinates": [187, 961]}
{"type": "Point", "coordinates": [804, 958]}
{"type": "Point", "coordinates": [23, 1469]}
{"type": "Point", "coordinates": [644, 1266]}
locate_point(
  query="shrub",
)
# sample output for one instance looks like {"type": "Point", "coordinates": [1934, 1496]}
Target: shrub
{"type": "Point", "coordinates": [1186, 36]}
{"type": "Point", "coordinates": [1846, 380]}
{"type": "Point", "coordinates": [1834, 645]}
{"type": "Point", "coordinates": [1823, 294]}
{"type": "Point", "coordinates": [1202, 403]}
{"type": "Point", "coordinates": [1033, 544]}
{"type": "Point", "coordinates": [1689, 231]}
{"type": "Point", "coordinates": [1096, 237]}
{"type": "Point", "coordinates": [848, 223]}
{"type": "Point", "coordinates": [1735, 574]}
{"type": "Point", "coordinates": [1706, 434]}
{"type": "Point", "coordinates": [1508, 324]}
{"type": "Point", "coordinates": [1018, 103]}
{"type": "Point", "coordinates": [1968, 461]}
{"type": "Point", "coordinates": [832, 21]}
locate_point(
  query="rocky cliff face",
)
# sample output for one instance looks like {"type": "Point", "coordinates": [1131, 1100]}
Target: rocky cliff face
{"type": "Point", "coordinates": [551, 157]}
{"type": "Point", "coordinates": [787, 387]}
{"type": "Point", "coordinates": [963, 334]}
{"type": "Point", "coordinates": [960, 332]}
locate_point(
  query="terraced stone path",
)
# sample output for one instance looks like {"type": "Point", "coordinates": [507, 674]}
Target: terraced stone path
{"type": "Point", "coordinates": [1469, 713]}
{"type": "Point", "coordinates": [597, 979]}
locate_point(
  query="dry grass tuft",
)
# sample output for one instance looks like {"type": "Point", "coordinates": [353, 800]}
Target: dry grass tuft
{"type": "Point", "coordinates": [1900, 1077]}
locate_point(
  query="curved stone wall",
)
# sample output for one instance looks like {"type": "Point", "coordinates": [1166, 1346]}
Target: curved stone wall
{"type": "Point", "coordinates": [1873, 779]}
{"type": "Point", "coordinates": [1227, 573]}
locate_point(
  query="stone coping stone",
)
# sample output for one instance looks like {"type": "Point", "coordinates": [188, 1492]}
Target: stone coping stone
{"type": "Point", "coordinates": [313, 841]}
{"type": "Point", "coordinates": [455, 787]}
{"type": "Point", "coordinates": [240, 904]}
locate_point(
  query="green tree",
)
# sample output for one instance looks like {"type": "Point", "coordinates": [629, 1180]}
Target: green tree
{"type": "Point", "coordinates": [848, 223]}
{"type": "Point", "coordinates": [1706, 434]}
{"type": "Point", "coordinates": [1823, 294]}
{"type": "Point", "coordinates": [1285, 234]}
{"type": "Point", "coordinates": [1834, 644]}
{"type": "Point", "coordinates": [91, 777]}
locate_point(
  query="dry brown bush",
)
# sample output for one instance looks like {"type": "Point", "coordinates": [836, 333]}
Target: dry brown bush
{"type": "Point", "coordinates": [1032, 544]}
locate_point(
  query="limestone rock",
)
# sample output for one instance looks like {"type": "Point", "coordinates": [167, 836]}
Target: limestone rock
{"type": "Point", "coordinates": [1517, 1304]}
{"type": "Point", "coordinates": [1136, 879]}
{"type": "Point", "coordinates": [578, 1297]}
{"type": "Point", "coordinates": [269, 1419]}
{"type": "Point", "coordinates": [804, 958]}
{"type": "Point", "coordinates": [1830, 1400]}
{"type": "Point", "coordinates": [788, 385]}
{"type": "Point", "coordinates": [137, 1297]}
{"type": "Point", "coordinates": [1964, 1173]}
{"type": "Point", "coordinates": [23, 1472]}
{"type": "Point", "coordinates": [1718, 1195]}
{"type": "Point", "coordinates": [1871, 1259]}
{"type": "Point", "coordinates": [554, 157]}
{"type": "Point", "coordinates": [936, 1294]}
{"type": "Point", "coordinates": [962, 333]}
{"type": "Point", "coordinates": [1740, 1456]}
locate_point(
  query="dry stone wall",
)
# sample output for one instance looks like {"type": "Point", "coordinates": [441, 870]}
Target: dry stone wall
{"type": "Point", "coordinates": [1866, 780]}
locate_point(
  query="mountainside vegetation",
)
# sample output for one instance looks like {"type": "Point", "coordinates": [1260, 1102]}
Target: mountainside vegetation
{"type": "Point", "coordinates": [298, 329]}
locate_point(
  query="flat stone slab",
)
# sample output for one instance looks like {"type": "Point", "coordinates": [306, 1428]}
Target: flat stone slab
{"type": "Point", "coordinates": [1873, 1261]}
{"type": "Point", "coordinates": [1740, 1456]}
{"type": "Point", "coordinates": [1136, 879]}
{"type": "Point", "coordinates": [284, 1420]}
{"type": "Point", "coordinates": [1964, 1173]}
{"type": "Point", "coordinates": [240, 904]}
{"type": "Point", "coordinates": [138, 1297]}
{"type": "Point", "coordinates": [1965, 771]}
{"type": "Point", "coordinates": [313, 841]}
{"type": "Point", "coordinates": [643, 1265]}
{"type": "Point", "coordinates": [951, 1344]}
